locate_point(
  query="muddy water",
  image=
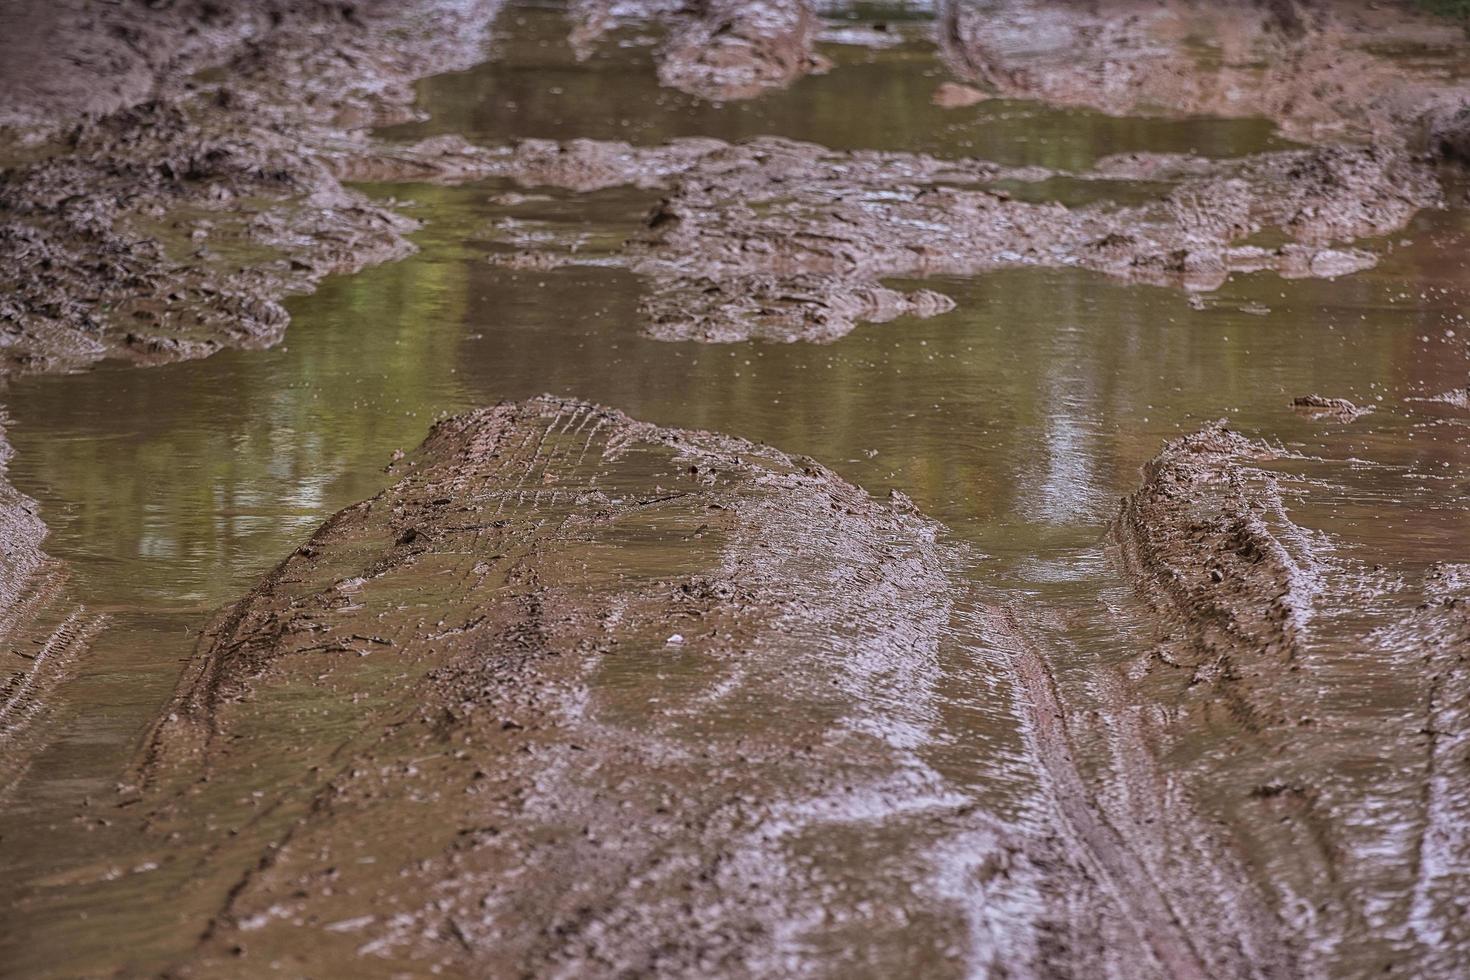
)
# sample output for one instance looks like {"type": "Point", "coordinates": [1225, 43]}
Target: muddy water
{"type": "Point", "coordinates": [1017, 421]}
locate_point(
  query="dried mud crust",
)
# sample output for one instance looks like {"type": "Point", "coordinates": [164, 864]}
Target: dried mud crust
{"type": "Point", "coordinates": [1380, 72]}
{"type": "Point", "coordinates": [173, 227]}
{"type": "Point", "coordinates": [582, 695]}
{"type": "Point", "coordinates": [716, 49]}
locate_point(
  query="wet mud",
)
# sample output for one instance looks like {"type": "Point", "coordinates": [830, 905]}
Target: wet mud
{"type": "Point", "coordinates": [43, 633]}
{"type": "Point", "coordinates": [583, 695]}
{"type": "Point", "coordinates": [1322, 71]}
{"type": "Point", "coordinates": [1259, 626]}
{"type": "Point", "coordinates": [787, 241]}
{"type": "Point", "coordinates": [454, 672]}
{"type": "Point", "coordinates": [174, 226]}
{"type": "Point", "coordinates": [716, 49]}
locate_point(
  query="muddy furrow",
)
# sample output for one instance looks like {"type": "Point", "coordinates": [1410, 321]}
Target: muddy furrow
{"type": "Point", "coordinates": [583, 696]}
{"type": "Point", "coordinates": [1263, 644]}
{"type": "Point", "coordinates": [1185, 900]}
{"type": "Point", "coordinates": [1440, 632]}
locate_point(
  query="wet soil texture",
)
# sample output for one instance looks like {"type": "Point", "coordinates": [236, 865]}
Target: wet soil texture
{"type": "Point", "coordinates": [566, 691]}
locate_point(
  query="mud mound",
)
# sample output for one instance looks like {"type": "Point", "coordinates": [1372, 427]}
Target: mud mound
{"type": "Point", "coordinates": [716, 49]}
{"type": "Point", "coordinates": [1199, 542]}
{"type": "Point", "coordinates": [580, 694]}
{"type": "Point", "coordinates": [1265, 633]}
{"type": "Point", "coordinates": [1322, 71]}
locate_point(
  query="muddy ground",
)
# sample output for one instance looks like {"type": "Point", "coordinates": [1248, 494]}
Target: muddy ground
{"type": "Point", "coordinates": [467, 773]}
{"type": "Point", "coordinates": [470, 774]}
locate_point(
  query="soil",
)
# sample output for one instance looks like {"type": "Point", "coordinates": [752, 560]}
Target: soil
{"type": "Point", "coordinates": [481, 617]}
{"type": "Point", "coordinates": [716, 49]}
{"type": "Point", "coordinates": [1322, 71]}
{"type": "Point", "coordinates": [514, 715]}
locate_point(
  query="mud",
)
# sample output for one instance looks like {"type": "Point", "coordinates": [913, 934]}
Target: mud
{"type": "Point", "coordinates": [173, 227]}
{"type": "Point", "coordinates": [476, 641]}
{"type": "Point", "coordinates": [1258, 623]}
{"type": "Point", "coordinates": [1321, 71]}
{"type": "Point", "coordinates": [715, 49]}
{"type": "Point", "coordinates": [787, 241]}
{"type": "Point", "coordinates": [43, 632]}
{"type": "Point", "coordinates": [1336, 408]}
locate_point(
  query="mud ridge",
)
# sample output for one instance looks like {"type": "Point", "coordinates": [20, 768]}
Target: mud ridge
{"type": "Point", "coordinates": [467, 642]}
{"type": "Point", "coordinates": [786, 241]}
{"type": "Point", "coordinates": [43, 634]}
{"type": "Point", "coordinates": [1322, 71]}
{"type": "Point", "coordinates": [1197, 542]}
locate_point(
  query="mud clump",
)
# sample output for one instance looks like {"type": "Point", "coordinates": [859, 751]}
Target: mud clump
{"type": "Point", "coordinates": [549, 657]}
{"type": "Point", "coordinates": [811, 308]}
{"type": "Point", "coordinates": [1321, 71]}
{"type": "Point", "coordinates": [173, 227]}
{"type": "Point", "coordinates": [1337, 408]}
{"type": "Point", "coordinates": [952, 95]}
{"type": "Point", "coordinates": [715, 49]}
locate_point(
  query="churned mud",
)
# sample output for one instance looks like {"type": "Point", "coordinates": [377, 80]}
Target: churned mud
{"type": "Point", "coordinates": [716, 49]}
{"type": "Point", "coordinates": [476, 774]}
{"type": "Point", "coordinates": [580, 695]}
{"type": "Point", "coordinates": [782, 240]}
{"type": "Point", "coordinates": [173, 226]}
{"type": "Point", "coordinates": [1321, 71]}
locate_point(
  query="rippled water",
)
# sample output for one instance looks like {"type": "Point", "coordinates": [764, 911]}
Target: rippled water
{"type": "Point", "coordinates": [1017, 420]}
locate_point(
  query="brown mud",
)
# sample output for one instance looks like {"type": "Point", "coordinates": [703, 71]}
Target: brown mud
{"type": "Point", "coordinates": [451, 673]}
{"type": "Point", "coordinates": [716, 49]}
{"type": "Point", "coordinates": [1322, 71]}
{"type": "Point", "coordinates": [42, 632]}
{"type": "Point", "coordinates": [514, 714]}
{"type": "Point", "coordinates": [787, 241]}
{"type": "Point", "coordinates": [1248, 609]}
{"type": "Point", "coordinates": [174, 226]}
